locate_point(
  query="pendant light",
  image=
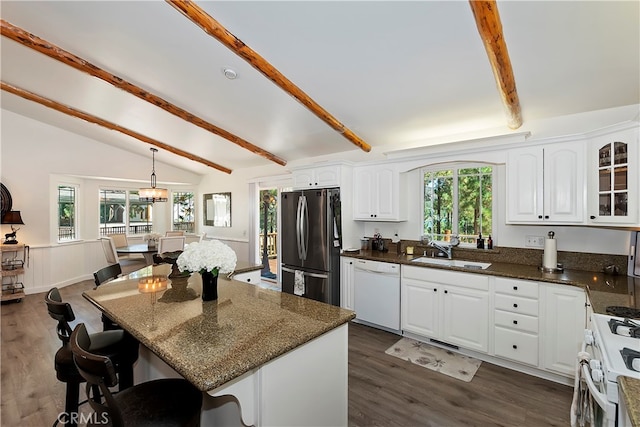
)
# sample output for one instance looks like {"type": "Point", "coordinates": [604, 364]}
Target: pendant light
{"type": "Point", "coordinates": [153, 194]}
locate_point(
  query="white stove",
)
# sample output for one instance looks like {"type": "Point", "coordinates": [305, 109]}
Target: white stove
{"type": "Point", "coordinates": [611, 348]}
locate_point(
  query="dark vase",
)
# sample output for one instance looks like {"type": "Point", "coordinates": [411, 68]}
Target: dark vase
{"type": "Point", "coordinates": [209, 286]}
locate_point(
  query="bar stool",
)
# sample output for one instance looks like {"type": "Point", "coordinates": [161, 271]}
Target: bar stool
{"type": "Point", "coordinates": [164, 402]}
{"type": "Point", "coordinates": [122, 348]}
{"type": "Point", "coordinates": [101, 276]}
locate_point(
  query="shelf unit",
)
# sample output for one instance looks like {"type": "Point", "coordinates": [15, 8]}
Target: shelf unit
{"type": "Point", "coordinates": [13, 260]}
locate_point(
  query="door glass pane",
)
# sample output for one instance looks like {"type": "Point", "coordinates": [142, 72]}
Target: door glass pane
{"type": "Point", "coordinates": [605, 180]}
{"type": "Point", "coordinates": [605, 155]}
{"type": "Point", "coordinates": [620, 152]}
{"type": "Point", "coordinates": [605, 204]}
{"type": "Point", "coordinates": [621, 204]}
{"type": "Point", "coordinates": [140, 215]}
{"type": "Point", "coordinates": [620, 178]}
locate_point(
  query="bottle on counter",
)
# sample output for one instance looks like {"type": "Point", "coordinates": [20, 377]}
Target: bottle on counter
{"type": "Point", "coordinates": [489, 242]}
{"type": "Point", "coordinates": [480, 242]}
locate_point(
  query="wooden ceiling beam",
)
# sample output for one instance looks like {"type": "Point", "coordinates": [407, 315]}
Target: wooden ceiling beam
{"type": "Point", "coordinates": [212, 27]}
{"type": "Point", "coordinates": [106, 124]}
{"type": "Point", "coordinates": [36, 43]}
{"type": "Point", "coordinates": [490, 29]}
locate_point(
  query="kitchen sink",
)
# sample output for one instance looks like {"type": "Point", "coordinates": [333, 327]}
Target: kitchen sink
{"type": "Point", "coordinates": [472, 265]}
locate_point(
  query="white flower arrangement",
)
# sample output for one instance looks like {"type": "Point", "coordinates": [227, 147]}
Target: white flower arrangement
{"type": "Point", "coordinates": [207, 255]}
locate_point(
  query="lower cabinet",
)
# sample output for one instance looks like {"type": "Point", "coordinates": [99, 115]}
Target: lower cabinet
{"type": "Point", "coordinates": [538, 325]}
{"type": "Point", "coordinates": [565, 315]}
{"type": "Point", "coordinates": [448, 306]}
{"type": "Point", "coordinates": [515, 319]}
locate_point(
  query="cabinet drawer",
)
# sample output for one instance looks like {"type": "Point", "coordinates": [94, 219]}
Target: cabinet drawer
{"type": "Point", "coordinates": [520, 322]}
{"type": "Point", "coordinates": [516, 304]}
{"type": "Point", "coordinates": [522, 288]}
{"type": "Point", "coordinates": [518, 346]}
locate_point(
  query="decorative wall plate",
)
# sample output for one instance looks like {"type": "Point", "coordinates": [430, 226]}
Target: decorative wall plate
{"type": "Point", "coordinates": [7, 202]}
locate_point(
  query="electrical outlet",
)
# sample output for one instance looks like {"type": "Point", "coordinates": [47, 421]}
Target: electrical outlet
{"type": "Point", "coordinates": [534, 242]}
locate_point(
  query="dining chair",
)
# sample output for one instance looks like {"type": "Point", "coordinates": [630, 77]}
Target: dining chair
{"type": "Point", "coordinates": [120, 240]}
{"type": "Point", "coordinates": [171, 244]}
{"type": "Point", "coordinates": [173, 233]}
{"type": "Point", "coordinates": [120, 346]}
{"type": "Point", "coordinates": [110, 251]}
{"type": "Point", "coordinates": [161, 402]}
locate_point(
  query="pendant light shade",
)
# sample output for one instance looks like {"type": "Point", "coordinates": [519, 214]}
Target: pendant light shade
{"type": "Point", "coordinates": [153, 194]}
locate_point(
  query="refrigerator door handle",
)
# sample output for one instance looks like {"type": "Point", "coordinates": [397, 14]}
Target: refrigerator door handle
{"type": "Point", "coordinates": [299, 227]}
{"type": "Point", "coordinates": [316, 275]}
{"type": "Point", "coordinates": [305, 228]}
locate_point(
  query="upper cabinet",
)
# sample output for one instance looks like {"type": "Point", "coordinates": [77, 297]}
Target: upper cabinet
{"type": "Point", "coordinates": [613, 177]}
{"type": "Point", "coordinates": [317, 177]}
{"type": "Point", "coordinates": [378, 194]}
{"type": "Point", "coordinates": [546, 184]}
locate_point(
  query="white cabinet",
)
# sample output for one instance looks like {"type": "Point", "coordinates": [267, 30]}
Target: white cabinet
{"type": "Point", "coordinates": [546, 184]}
{"type": "Point", "coordinates": [516, 308]}
{"type": "Point", "coordinates": [613, 176]}
{"type": "Point", "coordinates": [346, 282]}
{"type": "Point", "coordinates": [448, 306]}
{"type": "Point", "coordinates": [317, 177]}
{"type": "Point", "coordinates": [379, 194]}
{"type": "Point", "coordinates": [564, 323]}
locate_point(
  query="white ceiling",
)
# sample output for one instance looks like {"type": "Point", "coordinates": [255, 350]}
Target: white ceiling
{"type": "Point", "coordinates": [395, 73]}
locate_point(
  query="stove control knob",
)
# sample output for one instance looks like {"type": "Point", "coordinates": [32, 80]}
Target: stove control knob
{"type": "Point", "coordinates": [595, 364]}
{"type": "Point", "coordinates": [597, 375]}
{"type": "Point", "coordinates": [588, 336]}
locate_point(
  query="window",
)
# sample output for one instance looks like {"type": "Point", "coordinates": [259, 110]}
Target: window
{"type": "Point", "coordinates": [458, 200]}
{"type": "Point", "coordinates": [184, 211]}
{"type": "Point", "coordinates": [66, 213]}
{"type": "Point", "coordinates": [113, 218]}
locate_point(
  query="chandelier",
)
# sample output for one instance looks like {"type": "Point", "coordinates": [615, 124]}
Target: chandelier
{"type": "Point", "coordinates": [153, 194]}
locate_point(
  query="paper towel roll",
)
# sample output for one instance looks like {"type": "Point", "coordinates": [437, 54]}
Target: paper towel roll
{"type": "Point", "coordinates": [550, 259]}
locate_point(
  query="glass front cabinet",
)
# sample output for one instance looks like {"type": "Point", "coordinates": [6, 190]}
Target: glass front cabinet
{"type": "Point", "coordinates": [614, 184]}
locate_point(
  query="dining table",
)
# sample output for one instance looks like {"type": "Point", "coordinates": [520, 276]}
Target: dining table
{"type": "Point", "coordinates": [140, 249]}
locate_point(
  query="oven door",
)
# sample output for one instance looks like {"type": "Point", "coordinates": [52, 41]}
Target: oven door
{"type": "Point", "coordinates": [590, 406]}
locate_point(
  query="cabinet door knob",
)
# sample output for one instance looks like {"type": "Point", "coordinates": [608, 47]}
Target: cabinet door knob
{"type": "Point", "coordinates": [435, 289]}
{"type": "Point", "coordinates": [592, 217]}
{"type": "Point", "coordinates": [248, 279]}
{"type": "Point", "coordinates": [546, 217]}
{"type": "Point", "coordinates": [539, 216]}
{"type": "Point", "coordinates": [515, 347]}
{"type": "Point", "coordinates": [515, 322]}
{"type": "Point", "coordinates": [515, 288]}
{"type": "Point", "coordinates": [446, 292]}
{"type": "Point", "coordinates": [515, 305]}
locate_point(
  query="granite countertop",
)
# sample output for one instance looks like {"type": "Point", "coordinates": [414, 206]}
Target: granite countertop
{"type": "Point", "coordinates": [630, 387]}
{"type": "Point", "coordinates": [603, 290]}
{"type": "Point", "coordinates": [211, 343]}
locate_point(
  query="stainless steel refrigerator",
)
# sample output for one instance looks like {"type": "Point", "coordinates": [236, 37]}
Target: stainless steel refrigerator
{"type": "Point", "coordinates": [311, 241]}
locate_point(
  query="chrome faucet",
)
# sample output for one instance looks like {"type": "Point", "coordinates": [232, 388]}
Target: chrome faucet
{"type": "Point", "coordinates": [447, 248]}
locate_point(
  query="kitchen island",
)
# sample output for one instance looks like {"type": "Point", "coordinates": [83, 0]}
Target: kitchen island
{"type": "Point", "coordinates": [275, 357]}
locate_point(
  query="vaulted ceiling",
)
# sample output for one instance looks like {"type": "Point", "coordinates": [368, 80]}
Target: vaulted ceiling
{"type": "Point", "coordinates": [388, 74]}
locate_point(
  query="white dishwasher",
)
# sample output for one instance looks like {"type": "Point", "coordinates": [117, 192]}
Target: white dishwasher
{"type": "Point", "coordinates": [376, 292]}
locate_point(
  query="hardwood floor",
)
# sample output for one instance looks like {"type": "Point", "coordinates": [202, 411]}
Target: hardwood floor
{"type": "Point", "coordinates": [387, 391]}
{"type": "Point", "coordinates": [383, 390]}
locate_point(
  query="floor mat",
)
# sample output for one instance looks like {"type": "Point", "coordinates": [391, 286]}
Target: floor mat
{"type": "Point", "coordinates": [437, 359]}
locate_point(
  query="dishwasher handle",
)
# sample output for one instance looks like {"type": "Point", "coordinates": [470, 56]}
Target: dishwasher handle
{"type": "Point", "coordinates": [382, 268]}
